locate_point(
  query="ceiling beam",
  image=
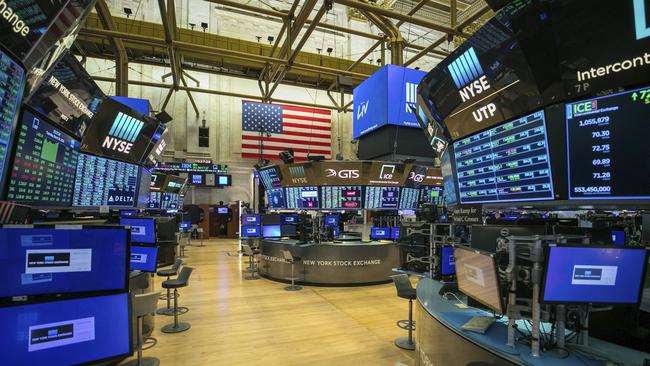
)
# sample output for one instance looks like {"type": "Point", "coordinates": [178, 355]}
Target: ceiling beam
{"type": "Point", "coordinates": [121, 57]}
{"type": "Point", "coordinates": [170, 35]}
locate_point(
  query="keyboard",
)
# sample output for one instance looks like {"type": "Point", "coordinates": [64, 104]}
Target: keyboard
{"type": "Point", "coordinates": [479, 324]}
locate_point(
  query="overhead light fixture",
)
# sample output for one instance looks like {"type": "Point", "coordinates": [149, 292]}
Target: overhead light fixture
{"type": "Point", "coordinates": [204, 25]}
{"type": "Point", "coordinates": [192, 25]}
{"type": "Point", "coordinates": [164, 117]}
{"type": "Point", "coordinates": [316, 157]}
{"type": "Point", "coordinates": [329, 51]}
{"type": "Point", "coordinates": [378, 61]}
{"type": "Point", "coordinates": [270, 39]}
{"type": "Point", "coordinates": [287, 156]}
{"type": "Point", "coordinates": [128, 12]}
{"type": "Point", "coordinates": [259, 38]}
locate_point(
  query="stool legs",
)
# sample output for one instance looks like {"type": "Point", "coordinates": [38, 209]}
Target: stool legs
{"type": "Point", "coordinates": [293, 286]}
{"type": "Point", "coordinates": [168, 310]}
{"type": "Point", "coordinates": [251, 269]}
{"type": "Point", "coordinates": [408, 343]}
{"type": "Point", "coordinates": [176, 327]}
{"type": "Point", "coordinates": [142, 361]}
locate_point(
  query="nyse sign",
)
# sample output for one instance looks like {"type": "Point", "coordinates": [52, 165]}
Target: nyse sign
{"type": "Point", "coordinates": [471, 83]}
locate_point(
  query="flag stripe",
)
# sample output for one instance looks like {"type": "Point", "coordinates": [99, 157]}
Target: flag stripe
{"type": "Point", "coordinates": [270, 157]}
{"type": "Point", "coordinates": [297, 108]}
{"type": "Point", "coordinates": [282, 148]}
{"type": "Point", "coordinates": [320, 128]}
{"type": "Point", "coordinates": [281, 140]}
{"type": "Point", "coordinates": [306, 118]}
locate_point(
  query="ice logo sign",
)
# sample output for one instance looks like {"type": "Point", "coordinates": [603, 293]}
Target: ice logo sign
{"type": "Point", "coordinates": [123, 132]}
{"type": "Point", "coordinates": [640, 23]}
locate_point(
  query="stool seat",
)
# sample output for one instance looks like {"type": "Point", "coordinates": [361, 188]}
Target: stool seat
{"type": "Point", "coordinates": [175, 283]}
{"type": "Point", "coordinates": [167, 272]}
{"type": "Point", "coordinates": [408, 294]}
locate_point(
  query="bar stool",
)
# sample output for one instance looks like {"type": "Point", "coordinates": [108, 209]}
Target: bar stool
{"type": "Point", "coordinates": [199, 232]}
{"type": "Point", "coordinates": [248, 251]}
{"type": "Point", "coordinates": [183, 241]}
{"type": "Point", "coordinates": [143, 305]}
{"type": "Point", "coordinates": [178, 282]}
{"type": "Point", "coordinates": [291, 259]}
{"type": "Point", "coordinates": [173, 271]}
{"type": "Point", "coordinates": [406, 291]}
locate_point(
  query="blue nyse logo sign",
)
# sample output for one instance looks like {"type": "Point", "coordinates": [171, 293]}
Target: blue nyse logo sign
{"type": "Point", "coordinates": [465, 68]}
{"type": "Point", "coordinates": [386, 97]}
{"type": "Point", "coordinates": [640, 23]}
{"type": "Point", "coordinates": [123, 132]}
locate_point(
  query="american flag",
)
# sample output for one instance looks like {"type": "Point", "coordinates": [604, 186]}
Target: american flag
{"type": "Point", "coordinates": [307, 130]}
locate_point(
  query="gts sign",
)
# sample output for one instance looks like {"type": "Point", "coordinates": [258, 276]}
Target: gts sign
{"type": "Point", "coordinates": [123, 132]}
{"type": "Point", "coordinates": [343, 174]}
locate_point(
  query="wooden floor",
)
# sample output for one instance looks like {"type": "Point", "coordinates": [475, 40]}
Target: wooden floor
{"type": "Point", "coordinates": [240, 322]}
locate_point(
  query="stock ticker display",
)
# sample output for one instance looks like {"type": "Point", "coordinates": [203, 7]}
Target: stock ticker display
{"type": "Point", "coordinates": [432, 194]}
{"type": "Point", "coordinates": [105, 182]}
{"type": "Point", "coordinates": [341, 197]}
{"type": "Point", "coordinates": [11, 89]}
{"type": "Point", "coordinates": [275, 198]}
{"type": "Point", "coordinates": [409, 198]}
{"type": "Point", "coordinates": [382, 197]}
{"type": "Point", "coordinates": [45, 164]}
{"type": "Point", "coordinates": [506, 163]}
{"type": "Point", "coordinates": [270, 178]}
{"type": "Point", "coordinates": [169, 201]}
{"type": "Point", "coordinates": [302, 198]}
{"type": "Point", "coordinates": [608, 149]}
{"type": "Point", "coordinates": [154, 199]}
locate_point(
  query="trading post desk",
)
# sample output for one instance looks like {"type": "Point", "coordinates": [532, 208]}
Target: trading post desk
{"type": "Point", "coordinates": [441, 341]}
{"type": "Point", "coordinates": [346, 263]}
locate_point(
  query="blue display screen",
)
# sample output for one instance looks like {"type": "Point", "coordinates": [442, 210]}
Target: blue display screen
{"type": "Point", "coordinates": [618, 237]}
{"type": "Point", "coordinates": [250, 219]}
{"type": "Point", "coordinates": [185, 225]}
{"type": "Point", "coordinates": [271, 231]}
{"type": "Point", "coordinates": [597, 275]}
{"type": "Point", "coordinates": [37, 261]}
{"type": "Point", "coordinates": [394, 233]}
{"type": "Point", "coordinates": [66, 332]}
{"type": "Point", "coordinates": [142, 230]}
{"type": "Point", "coordinates": [250, 231]}
{"type": "Point", "coordinates": [331, 220]}
{"type": "Point", "coordinates": [276, 198]}
{"type": "Point", "coordinates": [129, 212]}
{"type": "Point", "coordinates": [289, 218]}
{"type": "Point", "coordinates": [380, 233]}
{"type": "Point", "coordinates": [143, 258]}
{"type": "Point", "coordinates": [448, 265]}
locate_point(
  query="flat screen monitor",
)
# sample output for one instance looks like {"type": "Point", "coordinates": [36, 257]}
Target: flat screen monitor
{"type": "Point", "coordinates": [154, 200]}
{"type": "Point", "coordinates": [288, 230]}
{"type": "Point", "coordinates": [618, 237]}
{"type": "Point", "coordinates": [250, 231]}
{"type": "Point", "coordinates": [276, 198]}
{"type": "Point", "coordinates": [67, 332]}
{"type": "Point", "coordinates": [604, 275]}
{"type": "Point", "coordinates": [270, 177]}
{"type": "Point", "coordinates": [144, 258]}
{"type": "Point", "coordinates": [476, 273]}
{"type": "Point", "coordinates": [129, 212]}
{"type": "Point", "coordinates": [222, 210]}
{"type": "Point", "coordinates": [157, 181]}
{"type": "Point", "coordinates": [289, 219]}
{"type": "Point", "coordinates": [409, 198]}
{"type": "Point", "coordinates": [380, 233]}
{"type": "Point", "coordinates": [447, 263]}
{"type": "Point", "coordinates": [174, 184]}
{"type": "Point", "coordinates": [382, 197]}
{"type": "Point", "coordinates": [341, 197]}
{"type": "Point", "coordinates": [185, 225]}
{"type": "Point", "coordinates": [506, 163]}
{"type": "Point", "coordinates": [432, 194]}
{"type": "Point", "coordinates": [450, 193]}
{"type": "Point", "coordinates": [332, 220]}
{"type": "Point", "coordinates": [105, 182]}
{"type": "Point", "coordinates": [38, 261]}
{"type": "Point", "coordinates": [169, 201]}
{"type": "Point", "coordinates": [143, 230]}
{"type": "Point", "coordinates": [12, 81]}
{"type": "Point", "coordinates": [250, 219]}
{"type": "Point", "coordinates": [196, 179]}
{"type": "Point", "coordinates": [119, 132]}
{"type": "Point", "coordinates": [303, 198]}
{"type": "Point", "coordinates": [223, 180]}
{"type": "Point", "coordinates": [395, 233]}
{"type": "Point", "coordinates": [607, 146]}
{"type": "Point", "coordinates": [271, 231]}
{"type": "Point", "coordinates": [44, 165]}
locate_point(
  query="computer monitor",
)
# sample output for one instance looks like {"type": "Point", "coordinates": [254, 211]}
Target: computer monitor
{"type": "Point", "coordinates": [447, 263]}
{"type": "Point", "coordinates": [67, 332]}
{"type": "Point", "coordinates": [250, 219]}
{"type": "Point", "coordinates": [380, 233]}
{"type": "Point", "coordinates": [144, 258]}
{"type": "Point", "coordinates": [288, 230]}
{"type": "Point", "coordinates": [477, 276]}
{"type": "Point", "coordinates": [271, 231]}
{"type": "Point", "coordinates": [331, 220]}
{"type": "Point", "coordinates": [394, 233]}
{"type": "Point", "coordinates": [41, 261]}
{"type": "Point", "coordinates": [129, 212]}
{"type": "Point", "coordinates": [250, 231]}
{"type": "Point", "coordinates": [270, 219]}
{"type": "Point", "coordinates": [604, 275]}
{"type": "Point", "coordinates": [185, 225]}
{"type": "Point", "coordinates": [286, 219]}
{"type": "Point", "coordinates": [143, 230]}
{"type": "Point", "coordinates": [222, 210]}
{"type": "Point", "coordinates": [618, 237]}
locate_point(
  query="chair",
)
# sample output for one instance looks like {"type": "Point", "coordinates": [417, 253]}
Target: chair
{"type": "Point", "coordinates": [143, 304]}
{"type": "Point", "coordinates": [248, 251]}
{"type": "Point", "coordinates": [173, 271]}
{"type": "Point", "coordinates": [406, 291]}
{"type": "Point", "coordinates": [183, 241]}
{"type": "Point", "coordinates": [178, 282]}
{"type": "Point", "coordinates": [199, 233]}
{"type": "Point", "coordinates": [291, 259]}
